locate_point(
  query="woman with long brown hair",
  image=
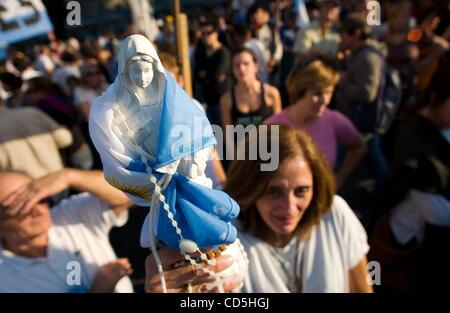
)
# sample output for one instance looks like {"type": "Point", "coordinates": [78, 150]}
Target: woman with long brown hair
{"type": "Point", "coordinates": [299, 236]}
{"type": "Point", "coordinates": [249, 101]}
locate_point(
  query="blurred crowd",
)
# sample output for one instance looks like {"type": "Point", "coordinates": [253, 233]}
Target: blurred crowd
{"type": "Point", "coordinates": [370, 106]}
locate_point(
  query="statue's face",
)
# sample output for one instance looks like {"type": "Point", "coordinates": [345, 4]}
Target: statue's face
{"type": "Point", "coordinates": [141, 73]}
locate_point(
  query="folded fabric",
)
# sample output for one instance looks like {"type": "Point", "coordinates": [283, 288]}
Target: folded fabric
{"type": "Point", "coordinates": [202, 214]}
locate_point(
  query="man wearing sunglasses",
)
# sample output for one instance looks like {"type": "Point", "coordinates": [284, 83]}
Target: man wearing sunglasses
{"type": "Point", "coordinates": [212, 68]}
{"type": "Point", "coordinates": [65, 249]}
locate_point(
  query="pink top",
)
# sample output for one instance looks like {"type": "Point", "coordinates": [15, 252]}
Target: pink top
{"type": "Point", "coordinates": [328, 131]}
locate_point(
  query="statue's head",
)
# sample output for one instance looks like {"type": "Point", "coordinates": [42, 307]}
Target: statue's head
{"type": "Point", "coordinates": [140, 67]}
{"type": "Point", "coordinates": [140, 70]}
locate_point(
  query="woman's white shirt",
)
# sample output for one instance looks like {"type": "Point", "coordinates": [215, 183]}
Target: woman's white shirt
{"type": "Point", "coordinates": [322, 263]}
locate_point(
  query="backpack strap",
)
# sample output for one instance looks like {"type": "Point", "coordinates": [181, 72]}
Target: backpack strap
{"type": "Point", "coordinates": [273, 44]}
{"type": "Point", "coordinates": [379, 99]}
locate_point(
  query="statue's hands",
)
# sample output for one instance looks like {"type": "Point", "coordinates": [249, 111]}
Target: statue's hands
{"type": "Point", "coordinates": [177, 279]}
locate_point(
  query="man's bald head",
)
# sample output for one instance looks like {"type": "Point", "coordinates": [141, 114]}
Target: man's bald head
{"type": "Point", "coordinates": [20, 229]}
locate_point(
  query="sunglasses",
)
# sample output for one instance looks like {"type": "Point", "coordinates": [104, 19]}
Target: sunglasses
{"type": "Point", "coordinates": [207, 32]}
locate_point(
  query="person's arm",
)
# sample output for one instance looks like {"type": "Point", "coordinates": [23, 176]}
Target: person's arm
{"type": "Point", "coordinates": [275, 94]}
{"type": "Point", "coordinates": [356, 150]}
{"type": "Point", "coordinates": [348, 136]}
{"type": "Point", "coordinates": [278, 53]}
{"type": "Point", "coordinates": [220, 73]}
{"type": "Point", "coordinates": [84, 107]}
{"type": "Point", "coordinates": [109, 275]}
{"type": "Point", "coordinates": [22, 200]}
{"type": "Point", "coordinates": [358, 277]}
{"type": "Point", "coordinates": [177, 279]}
{"type": "Point", "coordinates": [439, 47]}
{"type": "Point", "coordinates": [94, 183]}
{"type": "Point", "coordinates": [225, 110]}
{"type": "Point", "coordinates": [354, 245]}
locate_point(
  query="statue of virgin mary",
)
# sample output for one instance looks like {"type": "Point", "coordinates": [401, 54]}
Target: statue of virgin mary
{"type": "Point", "coordinates": [135, 126]}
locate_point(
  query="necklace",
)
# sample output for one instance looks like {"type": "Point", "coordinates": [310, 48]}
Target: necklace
{"type": "Point", "coordinates": [290, 269]}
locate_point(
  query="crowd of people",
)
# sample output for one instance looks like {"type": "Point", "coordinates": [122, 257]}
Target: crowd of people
{"type": "Point", "coordinates": [364, 142]}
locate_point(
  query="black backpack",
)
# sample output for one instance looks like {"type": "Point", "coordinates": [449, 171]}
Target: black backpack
{"type": "Point", "coordinates": [378, 116]}
{"type": "Point", "coordinates": [388, 100]}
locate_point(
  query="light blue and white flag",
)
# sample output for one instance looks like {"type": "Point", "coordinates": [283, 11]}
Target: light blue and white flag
{"type": "Point", "coordinates": [133, 130]}
{"type": "Point", "coordinates": [21, 20]}
{"type": "Point", "coordinates": [302, 14]}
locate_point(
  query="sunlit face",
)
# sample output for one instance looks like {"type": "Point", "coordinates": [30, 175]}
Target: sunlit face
{"type": "Point", "coordinates": [260, 17]}
{"type": "Point", "coordinates": [287, 197]}
{"type": "Point", "coordinates": [141, 73]}
{"type": "Point", "coordinates": [244, 66]}
{"type": "Point", "coordinates": [315, 102]}
{"type": "Point", "coordinates": [22, 228]}
{"type": "Point", "coordinates": [209, 35]}
{"type": "Point", "coordinates": [329, 12]}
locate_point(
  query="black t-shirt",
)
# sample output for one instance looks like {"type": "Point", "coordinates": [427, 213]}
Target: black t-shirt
{"type": "Point", "coordinates": [208, 71]}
